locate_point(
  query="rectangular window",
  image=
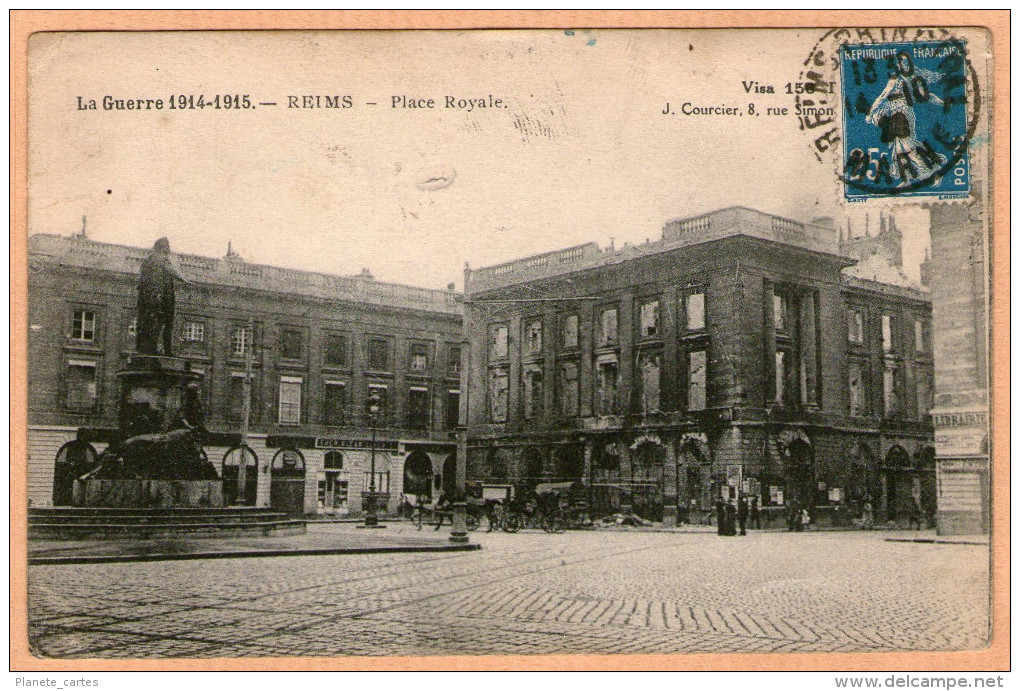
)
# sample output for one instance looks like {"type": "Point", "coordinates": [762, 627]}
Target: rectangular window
{"type": "Point", "coordinates": [379, 355]}
{"type": "Point", "coordinates": [608, 380]}
{"type": "Point", "coordinates": [887, 334]}
{"type": "Point", "coordinates": [696, 377]}
{"type": "Point", "coordinates": [453, 360]}
{"type": "Point", "coordinates": [779, 312]}
{"type": "Point", "coordinates": [920, 337]}
{"type": "Point", "coordinates": [924, 401]}
{"type": "Point", "coordinates": [499, 384]}
{"type": "Point", "coordinates": [336, 350]}
{"type": "Point", "coordinates": [569, 394]}
{"type": "Point", "coordinates": [499, 345]}
{"type": "Point", "coordinates": [781, 377]}
{"type": "Point", "coordinates": [291, 344]}
{"type": "Point", "coordinates": [419, 357]}
{"type": "Point", "coordinates": [241, 340]}
{"type": "Point", "coordinates": [855, 328]}
{"type": "Point", "coordinates": [290, 400]}
{"type": "Point", "coordinates": [695, 311]}
{"type": "Point", "coordinates": [80, 391]}
{"type": "Point", "coordinates": [418, 408]}
{"type": "Point", "coordinates": [651, 365]}
{"type": "Point", "coordinates": [533, 392]}
{"type": "Point", "coordinates": [83, 325]}
{"type": "Point", "coordinates": [452, 409]}
{"type": "Point", "coordinates": [534, 337]}
{"type": "Point", "coordinates": [382, 483]}
{"type": "Point", "coordinates": [889, 392]}
{"type": "Point", "coordinates": [236, 411]}
{"type": "Point", "coordinates": [857, 388]}
{"type": "Point", "coordinates": [570, 331]}
{"type": "Point", "coordinates": [193, 332]}
{"type": "Point", "coordinates": [335, 403]}
{"type": "Point", "coordinates": [650, 319]}
{"type": "Point", "coordinates": [608, 327]}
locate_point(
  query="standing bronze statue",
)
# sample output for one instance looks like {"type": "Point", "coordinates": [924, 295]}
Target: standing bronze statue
{"type": "Point", "coordinates": [156, 302]}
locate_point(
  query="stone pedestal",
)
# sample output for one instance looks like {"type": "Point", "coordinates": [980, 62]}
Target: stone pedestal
{"type": "Point", "coordinates": [152, 390]}
{"type": "Point", "coordinates": [162, 494]}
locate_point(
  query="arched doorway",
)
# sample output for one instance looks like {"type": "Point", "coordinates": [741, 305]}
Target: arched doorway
{"type": "Point", "coordinates": [418, 475]}
{"type": "Point", "coordinates": [897, 483]}
{"type": "Point", "coordinates": [646, 465]}
{"type": "Point", "coordinates": [798, 471]}
{"type": "Point", "coordinates": [334, 485]}
{"type": "Point", "coordinates": [694, 482]}
{"type": "Point", "coordinates": [863, 484]}
{"type": "Point", "coordinates": [497, 467]}
{"type": "Point", "coordinates": [74, 459]}
{"type": "Point", "coordinates": [229, 474]}
{"type": "Point", "coordinates": [287, 481]}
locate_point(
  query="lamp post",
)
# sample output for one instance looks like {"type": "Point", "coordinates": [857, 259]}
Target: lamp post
{"type": "Point", "coordinates": [372, 406]}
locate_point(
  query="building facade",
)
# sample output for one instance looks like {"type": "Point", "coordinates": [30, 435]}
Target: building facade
{"type": "Point", "coordinates": [319, 345]}
{"type": "Point", "coordinates": [741, 352]}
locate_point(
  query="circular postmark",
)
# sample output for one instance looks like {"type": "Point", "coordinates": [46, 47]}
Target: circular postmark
{"type": "Point", "coordinates": [895, 108]}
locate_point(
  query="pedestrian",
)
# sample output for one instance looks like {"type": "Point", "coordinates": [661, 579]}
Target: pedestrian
{"type": "Point", "coordinates": [731, 518]}
{"type": "Point", "coordinates": [805, 520]}
{"type": "Point", "coordinates": [792, 515]}
{"type": "Point", "coordinates": [755, 514]}
{"type": "Point", "coordinates": [720, 516]}
{"type": "Point", "coordinates": [867, 517]}
{"type": "Point", "coordinates": [742, 511]}
{"type": "Point", "coordinates": [915, 513]}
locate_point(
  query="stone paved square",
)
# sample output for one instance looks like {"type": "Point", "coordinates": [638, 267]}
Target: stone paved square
{"type": "Point", "coordinates": [530, 593]}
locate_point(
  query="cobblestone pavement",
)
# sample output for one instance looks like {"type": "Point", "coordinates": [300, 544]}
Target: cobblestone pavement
{"type": "Point", "coordinates": [529, 593]}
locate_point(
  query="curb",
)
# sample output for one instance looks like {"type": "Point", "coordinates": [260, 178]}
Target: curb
{"type": "Point", "coordinates": [935, 541]}
{"type": "Point", "coordinates": [245, 554]}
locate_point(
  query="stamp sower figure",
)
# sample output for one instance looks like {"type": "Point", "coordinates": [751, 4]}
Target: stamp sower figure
{"type": "Point", "coordinates": [156, 301]}
{"type": "Point", "coordinates": [742, 511]}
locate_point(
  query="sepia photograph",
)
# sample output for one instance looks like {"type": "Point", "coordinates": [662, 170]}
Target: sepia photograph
{"type": "Point", "coordinates": [510, 342]}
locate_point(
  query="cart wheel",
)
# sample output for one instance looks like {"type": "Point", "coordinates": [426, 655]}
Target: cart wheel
{"type": "Point", "coordinates": [553, 524]}
{"type": "Point", "coordinates": [513, 522]}
{"type": "Point", "coordinates": [472, 522]}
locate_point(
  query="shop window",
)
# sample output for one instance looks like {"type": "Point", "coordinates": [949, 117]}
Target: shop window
{"type": "Point", "coordinates": [650, 365]}
{"type": "Point", "coordinates": [419, 357]}
{"type": "Point", "coordinates": [192, 332]}
{"type": "Point", "coordinates": [334, 487]}
{"type": "Point", "coordinates": [241, 340]}
{"type": "Point", "coordinates": [887, 334]}
{"type": "Point", "coordinates": [695, 311]}
{"type": "Point", "coordinates": [570, 331]}
{"type": "Point", "coordinates": [608, 372]}
{"type": "Point", "coordinates": [569, 393]}
{"type": "Point", "coordinates": [650, 319]}
{"type": "Point", "coordinates": [337, 349]}
{"type": "Point", "coordinates": [83, 325]}
{"type": "Point", "coordinates": [290, 400]}
{"type": "Point", "coordinates": [608, 327]}
{"type": "Point", "coordinates": [499, 384]}
{"type": "Point", "coordinates": [382, 482]}
{"type": "Point", "coordinates": [291, 344]}
{"type": "Point", "coordinates": [81, 386]}
{"type": "Point", "coordinates": [452, 409]}
{"type": "Point", "coordinates": [499, 345]}
{"type": "Point", "coordinates": [418, 408]}
{"type": "Point", "coordinates": [533, 392]}
{"type": "Point", "coordinates": [335, 403]}
{"type": "Point", "coordinates": [379, 355]}
{"type": "Point", "coordinates": [534, 337]}
{"type": "Point", "coordinates": [857, 388]}
{"type": "Point", "coordinates": [453, 360]}
{"type": "Point", "coordinates": [856, 327]}
{"type": "Point", "coordinates": [890, 391]}
{"type": "Point", "coordinates": [696, 378]}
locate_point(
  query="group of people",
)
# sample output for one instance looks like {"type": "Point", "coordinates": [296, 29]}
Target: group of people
{"type": "Point", "coordinates": [732, 515]}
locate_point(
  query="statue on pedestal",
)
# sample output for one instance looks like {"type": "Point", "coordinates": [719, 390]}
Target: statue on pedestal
{"type": "Point", "coordinates": [156, 302]}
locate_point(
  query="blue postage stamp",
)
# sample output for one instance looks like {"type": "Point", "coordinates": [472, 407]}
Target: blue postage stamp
{"type": "Point", "coordinates": [906, 119]}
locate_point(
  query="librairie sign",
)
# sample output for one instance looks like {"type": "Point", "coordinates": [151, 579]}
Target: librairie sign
{"type": "Point", "coordinates": [365, 444]}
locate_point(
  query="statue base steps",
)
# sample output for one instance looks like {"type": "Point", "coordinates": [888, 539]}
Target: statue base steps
{"type": "Point", "coordinates": [161, 494]}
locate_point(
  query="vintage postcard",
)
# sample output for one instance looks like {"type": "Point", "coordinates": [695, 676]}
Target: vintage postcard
{"type": "Point", "coordinates": [511, 342]}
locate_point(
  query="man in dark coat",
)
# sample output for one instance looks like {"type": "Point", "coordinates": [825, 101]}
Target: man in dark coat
{"type": "Point", "coordinates": [742, 512]}
{"type": "Point", "coordinates": [156, 302]}
{"type": "Point", "coordinates": [720, 516]}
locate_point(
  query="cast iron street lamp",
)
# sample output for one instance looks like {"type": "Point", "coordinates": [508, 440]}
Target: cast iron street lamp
{"type": "Point", "coordinates": [372, 407]}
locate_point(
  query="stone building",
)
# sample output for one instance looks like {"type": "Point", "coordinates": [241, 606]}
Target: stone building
{"type": "Point", "coordinates": [960, 307]}
{"type": "Point", "coordinates": [320, 346]}
{"type": "Point", "coordinates": [741, 352]}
